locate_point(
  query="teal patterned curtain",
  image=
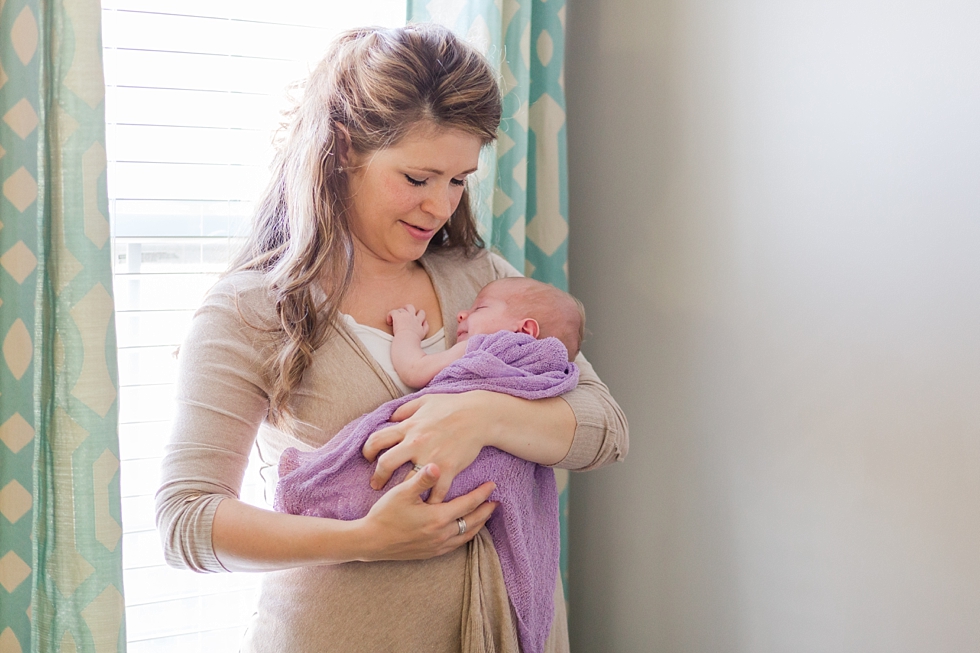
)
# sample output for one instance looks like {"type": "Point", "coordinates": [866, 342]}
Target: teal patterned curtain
{"type": "Point", "coordinates": [522, 186]}
{"type": "Point", "coordinates": [60, 550]}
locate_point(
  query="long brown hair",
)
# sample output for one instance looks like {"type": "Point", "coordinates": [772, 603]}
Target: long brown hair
{"type": "Point", "coordinates": [370, 90]}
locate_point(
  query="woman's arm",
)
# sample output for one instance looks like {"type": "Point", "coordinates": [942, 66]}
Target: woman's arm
{"type": "Point", "coordinates": [399, 527]}
{"type": "Point", "coordinates": [583, 429]}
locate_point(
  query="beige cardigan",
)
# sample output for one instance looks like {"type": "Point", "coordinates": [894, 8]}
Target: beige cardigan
{"type": "Point", "coordinates": [456, 602]}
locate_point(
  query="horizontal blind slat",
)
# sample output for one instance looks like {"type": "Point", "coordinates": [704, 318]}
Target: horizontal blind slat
{"type": "Point", "coordinates": [338, 14]}
{"type": "Point", "coordinates": [219, 36]}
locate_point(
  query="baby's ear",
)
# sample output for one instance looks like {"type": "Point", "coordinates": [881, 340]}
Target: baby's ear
{"type": "Point", "coordinates": [530, 327]}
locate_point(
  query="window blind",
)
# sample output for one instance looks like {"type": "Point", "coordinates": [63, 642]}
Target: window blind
{"type": "Point", "coordinates": [194, 92]}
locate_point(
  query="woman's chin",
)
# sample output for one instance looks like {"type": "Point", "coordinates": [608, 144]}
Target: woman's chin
{"type": "Point", "coordinates": [409, 250]}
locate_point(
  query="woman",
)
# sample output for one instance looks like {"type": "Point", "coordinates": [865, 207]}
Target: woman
{"type": "Point", "coordinates": [367, 211]}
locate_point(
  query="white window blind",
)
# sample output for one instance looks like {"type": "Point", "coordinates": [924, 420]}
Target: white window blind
{"type": "Point", "coordinates": [194, 92]}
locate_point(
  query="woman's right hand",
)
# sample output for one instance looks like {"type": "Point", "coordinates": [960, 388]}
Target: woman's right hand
{"type": "Point", "coordinates": [401, 526]}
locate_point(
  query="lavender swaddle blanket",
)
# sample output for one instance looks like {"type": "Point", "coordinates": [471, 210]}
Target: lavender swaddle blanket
{"type": "Point", "coordinates": [333, 481]}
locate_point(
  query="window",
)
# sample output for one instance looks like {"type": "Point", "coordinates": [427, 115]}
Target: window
{"type": "Point", "coordinates": [193, 95]}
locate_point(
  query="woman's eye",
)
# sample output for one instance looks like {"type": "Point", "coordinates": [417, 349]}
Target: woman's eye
{"type": "Point", "coordinates": [415, 182]}
{"type": "Point", "coordinates": [458, 182]}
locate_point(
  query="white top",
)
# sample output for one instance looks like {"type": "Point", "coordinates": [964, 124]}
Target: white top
{"type": "Point", "coordinates": [378, 342]}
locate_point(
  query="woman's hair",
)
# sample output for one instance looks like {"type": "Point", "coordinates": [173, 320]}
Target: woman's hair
{"type": "Point", "coordinates": [371, 89]}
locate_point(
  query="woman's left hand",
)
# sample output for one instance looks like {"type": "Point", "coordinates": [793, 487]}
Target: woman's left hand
{"type": "Point", "coordinates": [448, 430]}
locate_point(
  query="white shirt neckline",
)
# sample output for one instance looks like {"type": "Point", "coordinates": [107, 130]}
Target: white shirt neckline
{"type": "Point", "coordinates": [378, 344]}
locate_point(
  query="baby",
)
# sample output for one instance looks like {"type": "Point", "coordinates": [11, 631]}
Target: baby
{"type": "Point", "coordinates": [515, 304]}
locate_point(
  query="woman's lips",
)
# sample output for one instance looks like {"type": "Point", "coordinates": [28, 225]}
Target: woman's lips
{"type": "Point", "coordinates": [419, 233]}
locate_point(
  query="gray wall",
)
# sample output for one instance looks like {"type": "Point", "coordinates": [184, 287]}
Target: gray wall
{"type": "Point", "coordinates": [775, 211]}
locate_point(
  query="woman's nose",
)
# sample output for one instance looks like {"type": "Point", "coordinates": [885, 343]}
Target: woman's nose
{"type": "Point", "coordinates": [439, 203]}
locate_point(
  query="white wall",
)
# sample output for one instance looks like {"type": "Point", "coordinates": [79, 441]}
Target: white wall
{"type": "Point", "coordinates": [775, 211]}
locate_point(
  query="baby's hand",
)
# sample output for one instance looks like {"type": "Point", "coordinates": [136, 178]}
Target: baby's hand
{"type": "Point", "coordinates": [407, 319]}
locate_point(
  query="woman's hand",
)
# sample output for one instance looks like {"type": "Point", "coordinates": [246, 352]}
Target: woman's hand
{"type": "Point", "coordinates": [400, 526]}
{"type": "Point", "coordinates": [450, 431]}
{"type": "Point", "coordinates": [440, 429]}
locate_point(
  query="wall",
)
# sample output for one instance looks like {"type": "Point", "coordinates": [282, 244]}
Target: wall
{"type": "Point", "coordinates": [775, 210]}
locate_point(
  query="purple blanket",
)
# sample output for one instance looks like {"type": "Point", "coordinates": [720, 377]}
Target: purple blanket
{"type": "Point", "coordinates": [333, 480]}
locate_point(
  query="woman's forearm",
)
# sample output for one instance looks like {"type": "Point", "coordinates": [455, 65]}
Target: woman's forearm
{"type": "Point", "coordinates": [247, 538]}
{"type": "Point", "coordinates": [540, 431]}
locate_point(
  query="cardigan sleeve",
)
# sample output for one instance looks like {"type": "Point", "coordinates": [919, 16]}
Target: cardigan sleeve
{"type": "Point", "coordinates": [601, 432]}
{"type": "Point", "coordinates": [221, 402]}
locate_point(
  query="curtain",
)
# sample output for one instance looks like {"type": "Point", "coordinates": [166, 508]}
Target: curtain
{"type": "Point", "coordinates": [60, 550]}
{"type": "Point", "coordinates": [521, 190]}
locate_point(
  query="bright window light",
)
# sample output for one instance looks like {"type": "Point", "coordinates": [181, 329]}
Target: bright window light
{"type": "Point", "coordinates": [194, 92]}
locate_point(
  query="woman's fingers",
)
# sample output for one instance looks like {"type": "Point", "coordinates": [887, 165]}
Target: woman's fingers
{"type": "Point", "coordinates": [424, 480]}
{"type": "Point", "coordinates": [407, 409]}
{"type": "Point", "coordinates": [387, 463]}
{"type": "Point", "coordinates": [382, 439]}
{"type": "Point", "coordinates": [477, 520]}
{"type": "Point", "coordinates": [440, 490]}
{"type": "Point", "coordinates": [464, 505]}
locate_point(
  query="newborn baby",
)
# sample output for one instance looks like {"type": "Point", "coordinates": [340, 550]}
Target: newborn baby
{"type": "Point", "coordinates": [515, 304]}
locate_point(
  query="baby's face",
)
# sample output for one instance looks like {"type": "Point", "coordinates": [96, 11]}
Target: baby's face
{"type": "Point", "coordinates": [490, 313]}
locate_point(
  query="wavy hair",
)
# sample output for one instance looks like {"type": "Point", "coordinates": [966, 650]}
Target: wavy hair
{"type": "Point", "coordinates": [370, 90]}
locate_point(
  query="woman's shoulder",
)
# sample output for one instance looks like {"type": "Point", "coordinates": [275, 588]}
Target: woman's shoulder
{"type": "Point", "coordinates": [246, 295]}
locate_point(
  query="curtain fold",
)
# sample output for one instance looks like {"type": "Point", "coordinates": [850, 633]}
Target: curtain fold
{"type": "Point", "coordinates": [521, 188]}
{"type": "Point", "coordinates": [60, 540]}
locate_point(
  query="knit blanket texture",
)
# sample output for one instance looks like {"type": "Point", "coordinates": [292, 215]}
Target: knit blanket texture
{"type": "Point", "coordinates": [333, 481]}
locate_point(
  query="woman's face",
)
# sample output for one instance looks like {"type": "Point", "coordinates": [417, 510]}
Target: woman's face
{"type": "Point", "coordinates": [403, 195]}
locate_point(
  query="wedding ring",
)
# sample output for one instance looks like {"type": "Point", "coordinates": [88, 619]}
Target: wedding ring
{"type": "Point", "coordinates": [462, 525]}
{"type": "Point", "coordinates": [416, 467]}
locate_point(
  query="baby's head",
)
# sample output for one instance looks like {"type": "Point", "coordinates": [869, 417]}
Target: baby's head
{"type": "Point", "coordinates": [526, 306]}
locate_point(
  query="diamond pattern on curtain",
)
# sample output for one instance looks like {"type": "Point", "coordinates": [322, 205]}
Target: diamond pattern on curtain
{"type": "Point", "coordinates": [60, 553]}
{"type": "Point", "coordinates": [521, 188]}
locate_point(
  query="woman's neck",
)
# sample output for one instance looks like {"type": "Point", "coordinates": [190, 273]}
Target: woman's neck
{"type": "Point", "coordinates": [370, 271]}
{"type": "Point", "coordinates": [379, 286]}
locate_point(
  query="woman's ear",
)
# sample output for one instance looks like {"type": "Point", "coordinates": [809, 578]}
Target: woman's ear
{"type": "Point", "coordinates": [530, 327]}
{"type": "Point", "coordinates": [341, 145]}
